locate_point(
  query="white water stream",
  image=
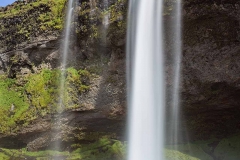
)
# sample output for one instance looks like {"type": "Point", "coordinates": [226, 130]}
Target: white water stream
{"type": "Point", "coordinates": [65, 52]}
{"type": "Point", "coordinates": [56, 136]}
{"type": "Point", "coordinates": [146, 81]}
{"type": "Point", "coordinates": [175, 123]}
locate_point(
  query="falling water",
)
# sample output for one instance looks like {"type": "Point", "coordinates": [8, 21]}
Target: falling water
{"type": "Point", "coordinates": [146, 81]}
{"type": "Point", "coordinates": [65, 51]}
{"type": "Point", "coordinates": [105, 21]}
{"type": "Point", "coordinates": [106, 16]}
{"type": "Point", "coordinates": [175, 103]}
{"type": "Point", "coordinates": [56, 136]}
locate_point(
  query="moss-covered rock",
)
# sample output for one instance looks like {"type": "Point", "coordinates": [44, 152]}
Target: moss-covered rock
{"type": "Point", "coordinates": [22, 22]}
{"type": "Point", "coordinates": [228, 149]}
{"type": "Point", "coordinates": [103, 149]}
{"type": "Point", "coordinates": [189, 150]}
{"type": "Point", "coordinates": [36, 94]}
{"type": "Point", "coordinates": [102, 26]}
{"type": "Point", "coordinates": [176, 155]}
{"type": "Point", "coordinates": [220, 149]}
{"type": "Point", "coordinates": [108, 149]}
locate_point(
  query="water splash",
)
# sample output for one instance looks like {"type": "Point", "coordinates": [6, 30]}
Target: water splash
{"type": "Point", "coordinates": [146, 81]}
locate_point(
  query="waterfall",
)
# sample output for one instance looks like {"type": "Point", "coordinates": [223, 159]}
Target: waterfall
{"type": "Point", "coordinates": [65, 52]}
{"type": "Point", "coordinates": [56, 135]}
{"type": "Point", "coordinates": [146, 81]}
{"type": "Point", "coordinates": [175, 121]}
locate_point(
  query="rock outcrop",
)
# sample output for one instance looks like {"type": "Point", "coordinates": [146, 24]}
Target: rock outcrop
{"type": "Point", "coordinates": [210, 72]}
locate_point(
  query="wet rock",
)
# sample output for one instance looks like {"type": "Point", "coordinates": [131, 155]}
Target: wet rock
{"type": "Point", "coordinates": [210, 68]}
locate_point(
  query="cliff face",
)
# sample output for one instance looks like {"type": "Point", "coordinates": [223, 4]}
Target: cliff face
{"type": "Point", "coordinates": [211, 67]}
{"type": "Point", "coordinates": [31, 48]}
{"type": "Point", "coordinates": [95, 79]}
{"type": "Point", "coordinates": [28, 22]}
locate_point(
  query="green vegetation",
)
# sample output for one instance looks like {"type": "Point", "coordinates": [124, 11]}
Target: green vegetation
{"type": "Point", "coordinates": [176, 155]}
{"type": "Point", "coordinates": [21, 23]}
{"type": "Point", "coordinates": [94, 19]}
{"type": "Point", "coordinates": [103, 149]}
{"type": "Point", "coordinates": [13, 104]}
{"type": "Point", "coordinates": [108, 149]}
{"type": "Point", "coordinates": [224, 149]}
{"type": "Point", "coordinates": [53, 18]}
{"type": "Point", "coordinates": [42, 88]}
{"type": "Point", "coordinates": [228, 148]}
{"type": "Point", "coordinates": [27, 97]}
{"type": "Point", "coordinates": [75, 84]}
{"type": "Point", "coordinates": [188, 152]}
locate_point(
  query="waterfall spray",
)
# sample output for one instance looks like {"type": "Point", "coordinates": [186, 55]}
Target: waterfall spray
{"type": "Point", "coordinates": [65, 52]}
{"type": "Point", "coordinates": [177, 52]}
{"type": "Point", "coordinates": [56, 136]}
{"type": "Point", "coordinates": [146, 81]}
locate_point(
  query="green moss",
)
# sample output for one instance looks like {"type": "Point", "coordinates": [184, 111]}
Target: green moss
{"type": "Point", "coordinates": [23, 153]}
{"type": "Point", "coordinates": [4, 156]}
{"type": "Point", "coordinates": [52, 19]}
{"type": "Point", "coordinates": [43, 90]}
{"type": "Point", "coordinates": [13, 103]}
{"type": "Point", "coordinates": [34, 95]}
{"type": "Point", "coordinates": [45, 154]}
{"type": "Point", "coordinates": [176, 155]}
{"type": "Point", "coordinates": [228, 149]}
{"type": "Point", "coordinates": [74, 86]}
{"type": "Point", "coordinates": [21, 23]}
{"type": "Point", "coordinates": [94, 136]}
{"type": "Point", "coordinates": [191, 150]}
{"type": "Point", "coordinates": [92, 20]}
{"type": "Point", "coordinates": [103, 149]}
{"type": "Point", "coordinates": [45, 94]}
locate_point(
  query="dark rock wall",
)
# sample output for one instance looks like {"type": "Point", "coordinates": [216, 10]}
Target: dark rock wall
{"type": "Point", "coordinates": [211, 67]}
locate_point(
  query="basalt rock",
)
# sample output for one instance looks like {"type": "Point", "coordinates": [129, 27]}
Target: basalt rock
{"type": "Point", "coordinates": [210, 68]}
